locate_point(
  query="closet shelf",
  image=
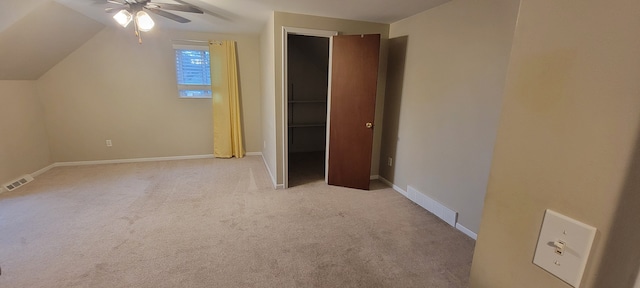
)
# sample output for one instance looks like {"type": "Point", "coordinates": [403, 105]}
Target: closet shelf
{"type": "Point", "coordinates": [307, 101]}
{"type": "Point", "coordinates": [307, 125]}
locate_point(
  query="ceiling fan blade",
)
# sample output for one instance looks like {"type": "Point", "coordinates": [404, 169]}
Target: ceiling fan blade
{"type": "Point", "coordinates": [175, 7]}
{"type": "Point", "coordinates": [115, 2]}
{"type": "Point", "coordinates": [166, 14]}
{"type": "Point", "coordinates": [112, 9]}
{"type": "Point", "coordinates": [209, 12]}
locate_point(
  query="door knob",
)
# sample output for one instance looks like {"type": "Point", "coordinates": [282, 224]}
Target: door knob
{"type": "Point", "coordinates": [369, 125]}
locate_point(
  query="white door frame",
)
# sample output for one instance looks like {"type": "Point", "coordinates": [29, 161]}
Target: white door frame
{"type": "Point", "coordinates": [285, 91]}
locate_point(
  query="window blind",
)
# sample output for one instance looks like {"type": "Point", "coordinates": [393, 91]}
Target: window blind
{"type": "Point", "coordinates": [193, 72]}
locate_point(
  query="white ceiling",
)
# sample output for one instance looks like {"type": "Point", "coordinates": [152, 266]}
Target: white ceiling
{"type": "Point", "coordinates": [13, 10]}
{"type": "Point", "coordinates": [249, 16]}
{"type": "Point", "coordinates": [45, 32]}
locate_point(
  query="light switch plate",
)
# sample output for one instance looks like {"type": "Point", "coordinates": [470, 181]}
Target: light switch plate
{"type": "Point", "coordinates": [577, 237]}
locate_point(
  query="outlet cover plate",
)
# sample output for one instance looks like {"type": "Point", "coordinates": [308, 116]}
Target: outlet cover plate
{"type": "Point", "coordinates": [568, 266]}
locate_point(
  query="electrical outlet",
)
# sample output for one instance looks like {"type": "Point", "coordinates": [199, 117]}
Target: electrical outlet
{"type": "Point", "coordinates": [390, 161]}
{"type": "Point", "coordinates": [109, 144]}
{"type": "Point", "coordinates": [264, 144]}
{"type": "Point", "coordinates": [563, 247]}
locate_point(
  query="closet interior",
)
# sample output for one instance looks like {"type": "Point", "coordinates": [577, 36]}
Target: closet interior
{"type": "Point", "coordinates": [308, 70]}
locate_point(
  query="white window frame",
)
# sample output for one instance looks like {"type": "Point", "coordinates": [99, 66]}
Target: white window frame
{"type": "Point", "coordinates": [191, 87]}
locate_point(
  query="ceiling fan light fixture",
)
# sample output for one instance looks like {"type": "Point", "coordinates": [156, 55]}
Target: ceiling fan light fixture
{"type": "Point", "coordinates": [123, 17]}
{"type": "Point", "coordinates": [144, 21]}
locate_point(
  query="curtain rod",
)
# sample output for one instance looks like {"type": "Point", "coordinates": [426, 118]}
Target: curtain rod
{"type": "Point", "coordinates": [199, 41]}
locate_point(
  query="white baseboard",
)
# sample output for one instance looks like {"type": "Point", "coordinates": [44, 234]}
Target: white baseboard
{"type": "Point", "coordinates": [466, 231]}
{"type": "Point", "coordinates": [45, 169]}
{"type": "Point", "coordinates": [385, 181]}
{"type": "Point", "coordinates": [273, 179]}
{"type": "Point", "coordinates": [35, 174]}
{"type": "Point", "coordinates": [441, 211]}
{"type": "Point", "coordinates": [394, 186]}
{"type": "Point", "coordinates": [132, 160]}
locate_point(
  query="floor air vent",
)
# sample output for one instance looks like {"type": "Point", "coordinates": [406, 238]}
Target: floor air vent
{"type": "Point", "coordinates": [13, 185]}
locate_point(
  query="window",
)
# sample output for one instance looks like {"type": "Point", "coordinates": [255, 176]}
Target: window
{"type": "Point", "coordinates": [192, 71]}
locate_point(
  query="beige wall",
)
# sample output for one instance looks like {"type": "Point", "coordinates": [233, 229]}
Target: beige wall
{"type": "Point", "coordinates": [267, 50]}
{"type": "Point", "coordinates": [447, 69]}
{"type": "Point", "coordinates": [345, 27]}
{"type": "Point", "coordinates": [23, 148]}
{"type": "Point", "coordinates": [568, 140]}
{"type": "Point", "coordinates": [114, 88]}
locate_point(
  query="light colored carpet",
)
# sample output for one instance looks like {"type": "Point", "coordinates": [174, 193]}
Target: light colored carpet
{"type": "Point", "coordinates": [218, 223]}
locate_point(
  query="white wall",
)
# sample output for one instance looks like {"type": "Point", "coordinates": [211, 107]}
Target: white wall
{"type": "Point", "coordinates": [267, 60]}
{"type": "Point", "coordinates": [446, 75]}
{"type": "Point", "coordinates": [24, 148]}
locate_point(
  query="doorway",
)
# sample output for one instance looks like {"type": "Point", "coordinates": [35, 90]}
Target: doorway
{"type": "Point", "coordinates": [349, 142]}
{"type": "Point", "coordinates": [306, 61]}
{"type": "Point", "coordinates": [308, 76]}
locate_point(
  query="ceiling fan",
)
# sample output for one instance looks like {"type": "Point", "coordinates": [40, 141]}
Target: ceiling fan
{"type": "Point", "coordinates": [134, 11]}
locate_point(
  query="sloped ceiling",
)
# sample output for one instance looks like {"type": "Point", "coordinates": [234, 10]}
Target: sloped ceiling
{"type": "Point", "coordinates": [37, 34]}
{"type": "Point", "coordinates": [12, 11]}
{"type": "Point", "coordinates": [41, 38]}
{"type": "Point", "coordinates": [249, 16]}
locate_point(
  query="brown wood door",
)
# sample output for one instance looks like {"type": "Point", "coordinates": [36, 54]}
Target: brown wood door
{"type": "Point", "coordinates": [354, 81]}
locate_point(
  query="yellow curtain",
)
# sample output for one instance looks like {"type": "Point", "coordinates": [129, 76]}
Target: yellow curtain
{"type": "Point", "coordinates": [227, 130]}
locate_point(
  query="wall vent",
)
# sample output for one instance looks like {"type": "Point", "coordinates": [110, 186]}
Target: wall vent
{"type": "Point", "coordinates": [15, 184]}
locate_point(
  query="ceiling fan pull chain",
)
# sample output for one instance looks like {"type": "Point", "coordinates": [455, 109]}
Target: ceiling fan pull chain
{"type": "Point", "coordinates": [137, 31]}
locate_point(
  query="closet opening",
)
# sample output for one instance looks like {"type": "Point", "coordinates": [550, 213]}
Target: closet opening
{"type": "Point", "coordinates": [307, 75]}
